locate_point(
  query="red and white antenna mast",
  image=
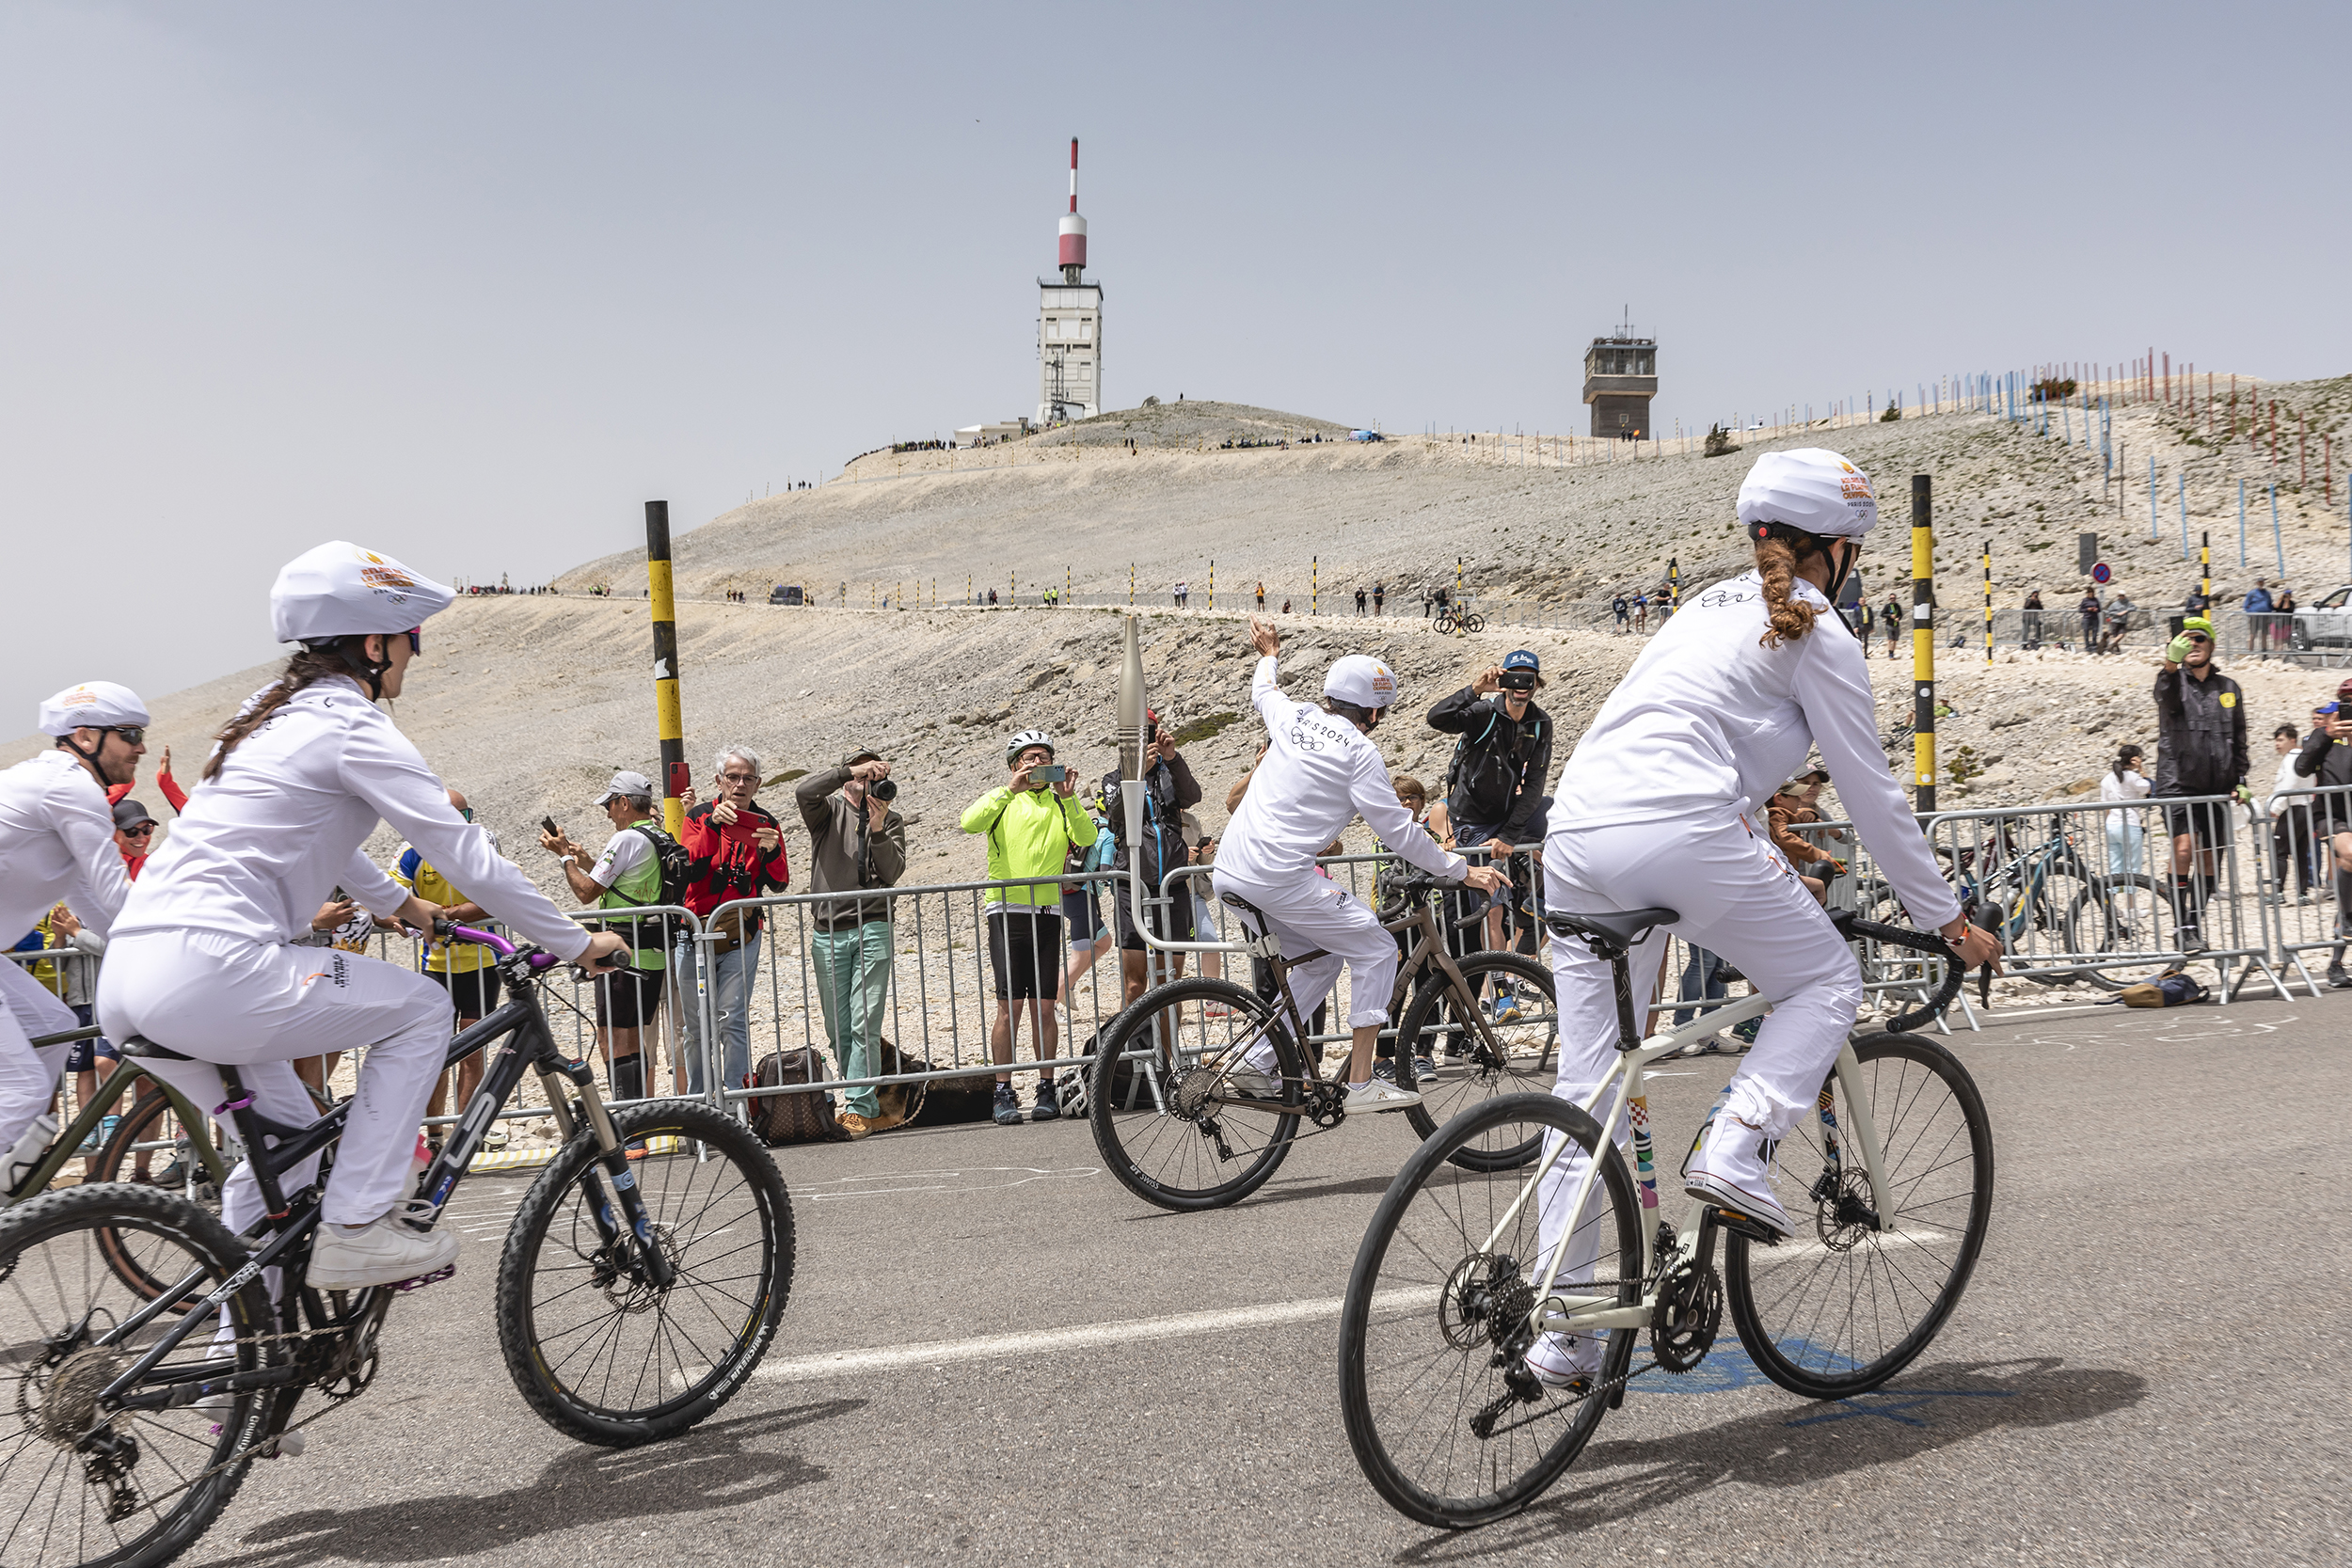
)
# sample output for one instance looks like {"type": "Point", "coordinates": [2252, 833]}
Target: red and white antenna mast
{"type": "Point", "coordinates": [1073, 227]}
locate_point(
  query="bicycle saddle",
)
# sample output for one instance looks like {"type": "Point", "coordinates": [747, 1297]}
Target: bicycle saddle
{"type": "Point", "coordinates": [1617, 928]}
{"type": "Point", "coordinates": [139, 1045]}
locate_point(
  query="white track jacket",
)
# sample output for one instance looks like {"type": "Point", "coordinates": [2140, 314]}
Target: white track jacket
{"type": "Point", "coordinates": [261, 846]}
{"type": "Point", "coordinates": [1320, 774]}
{"type": "Point", "coordinates": [1709, 722]}
{"type": "Point", "coordinates": [57, 842]}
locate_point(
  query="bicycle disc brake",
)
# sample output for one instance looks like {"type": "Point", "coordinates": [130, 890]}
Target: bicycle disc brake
{"type": "Point", "coordinates": [1689, 1310]}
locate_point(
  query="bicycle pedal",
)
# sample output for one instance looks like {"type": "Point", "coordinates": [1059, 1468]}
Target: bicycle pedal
{"type": "Point", "coordinates": [1741, 1225]}
{"type": "Point", "coordinates": [423, 1279]}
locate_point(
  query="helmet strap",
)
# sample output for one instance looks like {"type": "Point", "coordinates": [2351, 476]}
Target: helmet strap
{"type": "Point", "coordinates": [353, 653]}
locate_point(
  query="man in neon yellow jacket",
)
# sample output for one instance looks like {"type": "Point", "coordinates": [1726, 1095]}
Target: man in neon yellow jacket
{"type": "Point", "coordinates": [1031, 822]}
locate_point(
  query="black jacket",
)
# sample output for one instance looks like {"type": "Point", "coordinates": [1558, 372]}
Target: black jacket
{"type": "Point", "coordinates": [2201, 733]}
{"type": "Point", "coordinates": [2324, 759]}
{"type": "Point", "coordinates": [1501, 764]}
{"type": "Point", "coordinates": [1168, 787]}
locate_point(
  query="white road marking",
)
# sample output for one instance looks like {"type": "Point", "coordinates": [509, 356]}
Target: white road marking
{"type": "Point", "coordinates": [896, 1183]}
{"type": "Point", "coordinates": [1088, 1336]}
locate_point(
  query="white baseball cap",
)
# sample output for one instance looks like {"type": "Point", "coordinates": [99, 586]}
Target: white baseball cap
{"type": "Point", "coordinates": [1360, 679]}
{"type": "Point", "coordinates": [626, 783]}
{"type": "Point", "coordinates": [343, 590]}
{"type": "Point", "coordinates": [1810, 488]}
{"type": "Point", "coordinates": [95, 704]}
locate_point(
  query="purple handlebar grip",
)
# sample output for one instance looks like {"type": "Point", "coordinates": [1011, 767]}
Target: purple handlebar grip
{"type": "Point", "coordinates": [491, 940]}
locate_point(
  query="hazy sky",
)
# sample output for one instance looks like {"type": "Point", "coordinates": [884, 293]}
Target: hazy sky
{"type": "Point", "coordinates": [469, 283]}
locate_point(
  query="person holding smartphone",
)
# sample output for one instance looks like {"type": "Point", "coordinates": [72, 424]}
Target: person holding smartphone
{"type": "Point", "coordinates": [1031, 822]}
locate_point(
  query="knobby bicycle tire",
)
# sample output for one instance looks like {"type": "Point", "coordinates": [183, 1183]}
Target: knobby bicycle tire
{"type": "Point", "coordinates": [1380, 1300]}
{"type": "Point", "coordinates": [39, 1303]}
{"type": "Point", "coordinates": [704, 1349]}
{"type": "Point", "coordinates": [1178, 1161]}
{"type": "Point", "coordinates": [1936, 1146]}
{"type": "Point", "coordinates": [1435, 1012]}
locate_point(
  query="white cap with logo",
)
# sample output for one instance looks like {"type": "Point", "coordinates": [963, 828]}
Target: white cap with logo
{"type": "Point", "coordinates": [342, 590]}
{"type": "Point", "coordinates": [1811, 488]}
{"type": "Point", "coordinates": [93, 705]}
{"type": "Point", "coordinates": [626, 783]}
{"type": "Point", "coordinates": [1360, 679]}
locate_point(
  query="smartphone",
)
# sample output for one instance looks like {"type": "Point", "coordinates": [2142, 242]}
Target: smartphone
{"type": "Point", "coordinates": [1053, 772]}
{"type": "Point", "coordinates": [548, 823]}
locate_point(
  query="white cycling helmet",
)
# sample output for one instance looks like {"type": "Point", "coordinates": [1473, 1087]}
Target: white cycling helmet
{"type": "Point", "coordinates": [1360, 679]}
{"type": "Point", "coordinates": [1811, 488]}
{"type": "Point", "coordinates": [342, 590]}
{"type": "Point", "coordinates": [1025, 739]}
{"type": "Point", "coordinates": [92, 705]}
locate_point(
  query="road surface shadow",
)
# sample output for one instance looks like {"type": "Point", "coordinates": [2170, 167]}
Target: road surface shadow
{"type": "Point", "coordinates": [719, 1465]}
{"type": "Point", "coordinates": [1796, 1444]}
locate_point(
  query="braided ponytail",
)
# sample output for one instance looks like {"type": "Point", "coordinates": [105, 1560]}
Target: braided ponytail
{"type": "Point", "coordinates": [302, 669]}
{"type": "Point", "coordinates": [1776, 561]}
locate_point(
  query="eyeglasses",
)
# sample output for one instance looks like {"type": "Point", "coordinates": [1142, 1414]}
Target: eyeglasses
{"type": "Point", "coordinates": [739, 778]}
{"type": "Point", "coordinates": [142, 830]}
{"type": "Point", "coordinates": [133, 734]}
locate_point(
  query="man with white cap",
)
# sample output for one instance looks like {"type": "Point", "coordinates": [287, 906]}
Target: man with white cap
{"type": "Point", "coordinates": [1320, 771]}
{"type": "Point", "coordinates": [202, 960]}
{"type": "Point", "coordinates": [57, 841]}
{"type": "Point", "coordinates": [626, 875]}
{"type": "Point", "coordinates": [1658, 807]}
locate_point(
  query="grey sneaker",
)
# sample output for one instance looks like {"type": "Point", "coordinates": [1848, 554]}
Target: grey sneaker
{"type": "Point", "coordinates": [385, 1253]}
{"type": "Point", "coordinates": [1047, 1106]}
{"type": "Point", "coordinates": [1008, 1110]}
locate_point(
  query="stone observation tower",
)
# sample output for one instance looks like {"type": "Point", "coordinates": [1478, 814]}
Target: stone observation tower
{"type": "Point", "coordinates": [1620, 378]}
{"type": "Point", "coordinates": [1070, 326]}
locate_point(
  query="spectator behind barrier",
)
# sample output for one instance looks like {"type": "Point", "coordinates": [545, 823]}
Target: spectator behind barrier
{"type": "Point", "coordinates": [1031, 822]}
{"type": "Point", "coordinates": [1495, 783]}
{"type": "Point", "coordinates": [626, 875]}
{"type": "Point", "coordinates": [2124, 782]}
{"type": "Point", "coordinates": [2201, 750]}
{"type": "Point", "coordinates": [2325, 760]}
{"type": "Point", "coordinates": [737, 850]}
{"type": "Point", "coordinates": [1169, 790]}
{"type": "Point", "coordinates": [2290, 830]}
{"type": "Point", "coordinates": [856, 841]}
{"type": "Point", "coordinates": [465, 970]}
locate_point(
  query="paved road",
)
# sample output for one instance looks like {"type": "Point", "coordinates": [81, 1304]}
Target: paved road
{"type": "Point", "coordinates": [2149, 1368]}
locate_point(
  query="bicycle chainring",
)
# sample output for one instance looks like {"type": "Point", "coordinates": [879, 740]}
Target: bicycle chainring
{"type": "Point", "coordinates": [1689, 1310]}
{"type": "Point", "coordinates": [1327, 1103]}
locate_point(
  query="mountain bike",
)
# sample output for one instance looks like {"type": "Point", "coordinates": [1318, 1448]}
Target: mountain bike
{"type": "Point", "coordinates": [641, 1282]}
{"type": "Point", "coordinates": [1463, 1267]}
{"type": "Point", "coordinates": [1176, 1129]}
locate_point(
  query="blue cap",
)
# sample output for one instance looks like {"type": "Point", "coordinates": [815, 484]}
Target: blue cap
{"type": "Point", "coordinates": [1521, 658]}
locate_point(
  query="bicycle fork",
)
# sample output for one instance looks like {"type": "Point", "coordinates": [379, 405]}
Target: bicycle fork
{"type": "Point", "coordinates": [612, 1165]}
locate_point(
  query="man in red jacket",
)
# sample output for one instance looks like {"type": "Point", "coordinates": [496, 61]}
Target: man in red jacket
{"type": "Point", "coordinates": [737, 850]}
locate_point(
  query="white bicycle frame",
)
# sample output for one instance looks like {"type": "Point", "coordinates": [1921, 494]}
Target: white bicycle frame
{"type": "Point", "coordinates": [1585, 1314]}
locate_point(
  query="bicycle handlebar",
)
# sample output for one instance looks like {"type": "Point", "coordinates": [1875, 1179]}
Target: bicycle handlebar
{"type": "Point", "coordinates": [505, 949]}
{"type": "Point", "coordinates": [1851, 927]}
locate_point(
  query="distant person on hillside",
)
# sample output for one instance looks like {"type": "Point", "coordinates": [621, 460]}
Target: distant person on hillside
{"type": "Point", "coordinates": [2119, 616]}
{"type": "Point", "coordinates": [2089, 609]}
{"type": "Point", "coordinates": [1360, 601]}
{"type": "Point", "coordinates": [1379, 597]}
{"type": "Point", "coordinates": [1622, 608]}
{"type": "Point", "coordinates": [2194, 602]}
{"type": "Point", "coordinates": [1641, 612]}
{"type": "Point", "coordinates": [2032, 637]}
{"type": "Point", "coordinates": [2257, 607]}
{"type": "Point", "coordinates": [1890, 622]}
{"type": "Point", "coordinates": [1262, 596]}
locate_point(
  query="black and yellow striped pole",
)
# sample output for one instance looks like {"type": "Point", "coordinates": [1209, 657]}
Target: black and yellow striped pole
{"type": "Point", "coordinates": [1213, 586]}
{"type": "Point", "coordinates": [1065, 583]}
{"type": "Point", "coordinates": [2204, 557]}
{"type": "Point", "coordinates": [1674, 583]}
{"type": "Point", "coordinates": [668, 722]}
{"type": "Point", "coordinates": [1988, 601]}
{"type": "Point", "coordinates": [1314, 585]}
{"type": "Point", "coordinates": [1923, 641]}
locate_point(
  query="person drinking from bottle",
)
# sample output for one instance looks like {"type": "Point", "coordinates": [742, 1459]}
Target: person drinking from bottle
{"type": "Point", "coordinates": [1319, 771]}
{"type": "Point", "coordinates": [204, 962]}
{"type": "Point", "coordinates": [1660, 804]}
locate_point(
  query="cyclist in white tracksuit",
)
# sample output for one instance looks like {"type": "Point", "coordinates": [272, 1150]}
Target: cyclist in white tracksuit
{"type": "Point", "coordinates": [1321, 770]}
{"type": "Point", "coordinates": [202, 960]}
{"type": "Point", "coordinates": [1658, 807]}
{"type": "Point", "coordinates": [57, 841]}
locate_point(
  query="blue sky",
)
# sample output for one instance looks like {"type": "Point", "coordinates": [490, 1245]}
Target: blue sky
{"type": "Point", "coordinates": [469, 283]}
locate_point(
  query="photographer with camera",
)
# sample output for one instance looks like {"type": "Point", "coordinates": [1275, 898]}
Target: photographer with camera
{"type": "Point", "coordinates": [856, 841]}
{"type": "Point", "coordinates": [1031, 822]}
{"type": "Point", "coordinates": [1495, 784]}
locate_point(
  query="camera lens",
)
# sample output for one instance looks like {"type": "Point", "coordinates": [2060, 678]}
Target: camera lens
{"type": "Point", "coordinates": [883, 789]}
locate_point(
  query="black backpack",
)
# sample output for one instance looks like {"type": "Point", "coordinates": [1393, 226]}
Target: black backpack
{"type": "Point", "coordinates": [671, 857]}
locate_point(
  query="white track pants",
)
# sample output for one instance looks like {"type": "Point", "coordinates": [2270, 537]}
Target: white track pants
{"type": "Point", "coordinates": [28, 1077]}
{"type": "Point", "coordinates": [258, 1007]}
{"type": "Point", "coordinates": [1736, 897]}
{"type": "Point", "coordinates": [1315, 912]}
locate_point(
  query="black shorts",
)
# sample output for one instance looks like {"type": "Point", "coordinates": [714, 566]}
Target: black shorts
{"type": "Point", "coordinates": [629, 1001]}
{"type": "Point", "coordinates": [475, 993]}
{"type": "Point", "coordinates": [1171, 921]}
{"type": "Point", "coordinates": [1025, 952]}
{"type": "Point", "coordinates": [1083, 912]}
{"type": "Point", "coordinates": [2206, 821]}
{"type": "Point", "coordinates": [85, 1055]}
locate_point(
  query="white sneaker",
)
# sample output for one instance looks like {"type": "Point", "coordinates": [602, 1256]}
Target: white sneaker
{"type": "Point", "coordinates": [1250, 1083]}
{"type": "Point", "coordinates": [1374, 1095]}
{"type": "Point", "coordinates": [1561, 1360]}
{"type": "Point", "coordinates": [384, 1253]}
{"type": "Point", "coordinates": [1733, 1169]}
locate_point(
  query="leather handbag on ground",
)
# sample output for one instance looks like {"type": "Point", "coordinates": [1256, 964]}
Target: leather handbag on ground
{"type": "Point", "coordinates": [793, 1118]}
{"type": "Point", "coordinates": [2166, 990]}
{"type": "Point", "coordinates": [900, 1103]}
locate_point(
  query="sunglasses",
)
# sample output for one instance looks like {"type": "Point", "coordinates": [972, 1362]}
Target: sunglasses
{"type": "Point", "coordinates": [133, 734]}
{"type": "Point", "coordinates": [2199, 637]}
{"type": "Point", "coordinates": [142, 830]}
{"type": "Point", "coordinates": [416, 640]}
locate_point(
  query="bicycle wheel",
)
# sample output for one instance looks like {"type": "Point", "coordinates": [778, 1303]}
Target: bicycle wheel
{"type": "Point", "coordinates": [80, 1483]}
{"type": "Point", "coordinates": [1473, 621]}
{"type": "Point", "coordinates": [1170, 1122]}
{"type": "Point", "coordinates": [2117, 916]}
{"type": "Point", "coordinates": [151, 1135]}
{"type": "Point", "coordinates": [1445, 1420]}
{"type": "Point", "coordinates": [1436, 1026]}
{"type": "Point", "coordinates": [1840, 1311]}
{"type": "Point", "coordinates": [597, 1351]}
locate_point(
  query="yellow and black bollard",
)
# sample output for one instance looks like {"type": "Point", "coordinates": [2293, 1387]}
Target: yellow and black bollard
{"type": "Point", "coordinates": [668, 721]}
{"type": "Point", "coordinates": [1923, 640]}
